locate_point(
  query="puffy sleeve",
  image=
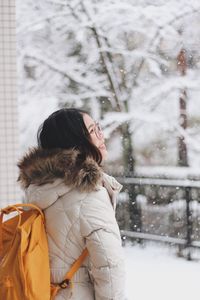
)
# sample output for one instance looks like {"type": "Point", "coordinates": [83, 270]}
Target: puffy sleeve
{"type": "Point", "coordinates": [103, 241]}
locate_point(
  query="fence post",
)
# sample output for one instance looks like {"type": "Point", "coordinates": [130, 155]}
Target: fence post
{"type": "Point", "coordinates": [189, 221]}
{"type": "Point", "coordinates": [135, 211]}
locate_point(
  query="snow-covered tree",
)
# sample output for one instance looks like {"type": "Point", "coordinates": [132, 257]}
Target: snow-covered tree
{"type": "Point", "coordinates": [119, 59]}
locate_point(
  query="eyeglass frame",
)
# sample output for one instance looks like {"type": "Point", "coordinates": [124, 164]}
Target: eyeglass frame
{"type": "Point", "coordinates": [97, 130]}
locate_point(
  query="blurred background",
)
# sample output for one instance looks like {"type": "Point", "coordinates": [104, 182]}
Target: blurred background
{"type": "Point", "coordinates": [135, 66]}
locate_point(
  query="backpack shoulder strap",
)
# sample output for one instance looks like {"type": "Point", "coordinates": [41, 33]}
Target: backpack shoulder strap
{"type": "Point", "coordinates": [76, 265]}
{"type": "Point", "coordinates": [67, 279]}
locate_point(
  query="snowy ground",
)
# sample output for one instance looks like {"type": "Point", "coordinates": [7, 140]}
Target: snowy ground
{"type": "Point", "coordinates": [156, 273]}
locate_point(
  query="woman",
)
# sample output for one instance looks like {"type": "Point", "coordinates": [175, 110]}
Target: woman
{"type": "Point", "coordinates": [64, 177]}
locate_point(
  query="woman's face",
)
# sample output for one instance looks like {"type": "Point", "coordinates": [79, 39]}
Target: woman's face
{"type": "Point", "coordinates": [96, 135]}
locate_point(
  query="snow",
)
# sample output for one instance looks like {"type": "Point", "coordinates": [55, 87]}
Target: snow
{"type": "Point", "coordinates": [60, 64]}
{"type": "Point", "coordinates": [31, 116]}
{"type": "Point", "coordinates": [161, 182]}
{"type": "Point", "coordinates": [64, 46]}
{"type": "Point", "coordinates": [168, 172]}
{"type": "Point", "coordinates": [156, 273]}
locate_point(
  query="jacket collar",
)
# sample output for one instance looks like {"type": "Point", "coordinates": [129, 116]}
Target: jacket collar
{"type": "Point", "coordinates": [113, 187]}
{"type": "Point", "coordinates": [42, 166]}
{"type": "Point", "coordinates": [62, 170]}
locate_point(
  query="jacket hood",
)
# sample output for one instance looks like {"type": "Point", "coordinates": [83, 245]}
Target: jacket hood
{"type": "Point", "coordinates": [41, 166]}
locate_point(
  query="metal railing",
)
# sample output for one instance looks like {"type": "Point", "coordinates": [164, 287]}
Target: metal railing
{"type": "Point", "coordinates": [187, 186]}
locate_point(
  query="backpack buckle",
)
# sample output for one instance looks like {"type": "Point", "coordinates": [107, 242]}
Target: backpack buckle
{"type": "Point", "coordinates": [65, 284]}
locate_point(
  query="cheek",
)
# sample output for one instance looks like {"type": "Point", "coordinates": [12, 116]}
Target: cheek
{"type": "Point", "coordinates": [94, 140]}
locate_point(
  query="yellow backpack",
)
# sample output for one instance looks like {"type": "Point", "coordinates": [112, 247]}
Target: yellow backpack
{"type": "Point", "coordinates": [24, 259]}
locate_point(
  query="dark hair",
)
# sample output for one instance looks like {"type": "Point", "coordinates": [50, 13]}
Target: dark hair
{"type": "Point", "coordinates": [65, 129]}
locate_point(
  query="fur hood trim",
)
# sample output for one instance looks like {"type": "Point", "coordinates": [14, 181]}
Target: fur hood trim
{"type": "Point", "coordinates": [42, 166]}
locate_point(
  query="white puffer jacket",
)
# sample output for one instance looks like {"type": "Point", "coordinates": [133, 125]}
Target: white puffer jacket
{"type": "Point", "coordinates": [79, 202]}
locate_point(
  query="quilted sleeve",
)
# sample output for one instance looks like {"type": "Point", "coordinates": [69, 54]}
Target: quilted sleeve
{"type": "Point", "coordinates": [103, 241]}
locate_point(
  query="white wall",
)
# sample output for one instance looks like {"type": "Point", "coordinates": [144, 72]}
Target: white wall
{"type": "Point", "coordinates": [9, 191]}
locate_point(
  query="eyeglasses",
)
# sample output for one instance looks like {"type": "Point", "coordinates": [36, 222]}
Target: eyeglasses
{"type": "Point", "coordinates": [98, 130]}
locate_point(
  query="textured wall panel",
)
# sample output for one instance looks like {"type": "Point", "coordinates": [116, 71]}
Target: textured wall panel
{"type": "Point", "coordinates": [9, 191]}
